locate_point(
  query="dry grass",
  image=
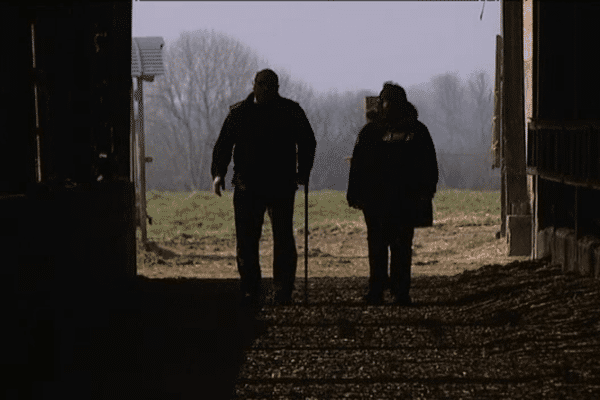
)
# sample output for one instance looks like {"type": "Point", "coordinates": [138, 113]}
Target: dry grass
{"type": "Point", "coordinates": [198, 228]}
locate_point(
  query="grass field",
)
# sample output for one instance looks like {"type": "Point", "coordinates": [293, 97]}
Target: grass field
{"type": "Point", "coordinates": [198, 231]}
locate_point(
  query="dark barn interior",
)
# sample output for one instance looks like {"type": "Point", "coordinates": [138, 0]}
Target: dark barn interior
{"type": "Point", "coordinates": [80, 323]}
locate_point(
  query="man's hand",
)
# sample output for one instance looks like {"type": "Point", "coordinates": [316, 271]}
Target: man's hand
{"type": "Point", "coordinates": [426, 195]}
{"type": "Point", "coordinates": [218, 184]}
{"type": "Point", "coordinates": [352, 203]}
{"type": "Point", "coordinates": [355, 206]}
{"type": "Point", "coordinates": [301, 180]}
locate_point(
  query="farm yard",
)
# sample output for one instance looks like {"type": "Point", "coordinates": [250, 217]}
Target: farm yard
{"type": "Point", "coordinates": [492, 327]}
{"type": "Point", "coordinates": [484, 325]}
{"type": "Point", "coordinates": [197, 232]}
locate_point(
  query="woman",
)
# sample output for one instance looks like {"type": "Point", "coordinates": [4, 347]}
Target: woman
{"type": "Point", "coordinates": [393, 172]}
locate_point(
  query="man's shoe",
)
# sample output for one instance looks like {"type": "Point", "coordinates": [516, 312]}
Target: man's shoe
{"type": "Point", "coordinates": [373, 299]}
{"type": "Point", "coordinates": [251, 300]}
{"type": "Point", "coordinates": [403, 300]}
{"type": "Point", "coordinates": [282, 302]}
{"type": "Point", "coordinates": [281, 296]}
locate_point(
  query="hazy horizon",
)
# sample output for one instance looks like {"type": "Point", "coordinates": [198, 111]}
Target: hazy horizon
{"type": "Point", "coordinates": [347, 46]}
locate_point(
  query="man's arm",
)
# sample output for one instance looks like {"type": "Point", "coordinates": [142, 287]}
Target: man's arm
{"type": "Point", "coordinates": [222, 150]}
{"type": "Point", "coordinates": [307, 146]}
{"type": "Point", "coordinates": [355, 177]}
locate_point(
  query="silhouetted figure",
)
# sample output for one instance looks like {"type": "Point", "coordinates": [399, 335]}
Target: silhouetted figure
{"type": "Point", "coordinates": [393, 174]}
{"type": "Point", "coordinates": [263, 130]}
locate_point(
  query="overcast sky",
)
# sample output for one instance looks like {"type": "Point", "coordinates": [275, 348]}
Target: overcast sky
{"type": "Point", "coordinates": [343, 45]}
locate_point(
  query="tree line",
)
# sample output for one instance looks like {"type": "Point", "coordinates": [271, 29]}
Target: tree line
{"type": "Point", "coordinates": [206, 72]}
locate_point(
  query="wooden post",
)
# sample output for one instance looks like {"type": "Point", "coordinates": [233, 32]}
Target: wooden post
{"type": "Point", "coordinates": [503, 202]}
{"type": "Point", "coordinates": [576, 212]}
{"type": "Point", "coordinates": [513, 127]}
{"type": "Point", "coordinates": [38, 138]}
{"type": "Point", "coordinates": [141, 158]}
{"type": "Point", "coordinates": [132, 136]}
{"type": "Point", "coordinates": [540, 207]}
{"type": "Point", "coordinates": [370, 102]}
{"type": "Point", "coordinates": [497, 133]}
{"type": "Point", "coordinates": [513, 102]}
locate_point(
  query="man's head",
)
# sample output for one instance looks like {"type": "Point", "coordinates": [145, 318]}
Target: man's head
{"type": "Point", "coordinates": [266, 86]}
{"type": "Point", "coordinates": [391, 100]}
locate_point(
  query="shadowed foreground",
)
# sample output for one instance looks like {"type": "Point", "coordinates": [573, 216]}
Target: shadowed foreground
{"type": "Point", "coordinates": [167, 339]}
{"type": "Point", "coordinates": [519, 330]}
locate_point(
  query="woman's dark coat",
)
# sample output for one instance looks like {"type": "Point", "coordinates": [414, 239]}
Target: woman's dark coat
{"type": "Point", "coordinates": [388, 173]}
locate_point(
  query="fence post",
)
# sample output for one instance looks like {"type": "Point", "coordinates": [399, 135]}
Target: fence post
{"type": "Point", "coordinates": [141, 158]}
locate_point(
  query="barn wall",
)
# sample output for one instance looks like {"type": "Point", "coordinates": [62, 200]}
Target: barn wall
{"type": "Point", "coordinates": [564, 135]}
{"type": "Point", "coordinates": [17, 116]}
{"type": "Point", "coordinates": [528, 73]}
{"type": "Point", "coordinates": [70, 229]}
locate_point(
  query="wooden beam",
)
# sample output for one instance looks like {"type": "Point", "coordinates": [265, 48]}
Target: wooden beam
{"type": "Point", "coordinates": [497, 134]}
{"type": "Point", "coordinates": [141, 157]}
{"type": "Point", "coordinates": [513, 127]}
{"type": "Point", "coordinates": [497, 117]}
{"type": "Point", "coordinates": [513, 111]}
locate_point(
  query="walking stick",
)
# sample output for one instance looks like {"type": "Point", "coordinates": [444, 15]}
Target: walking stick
{"type": "Point", "coordinates": [306, 243]}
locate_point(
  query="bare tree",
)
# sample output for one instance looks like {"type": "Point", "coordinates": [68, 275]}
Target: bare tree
{"type": "Point", "coordinates": [337, 122]}
{"type": "Point", "coordinates": [459, 116]}
{"type": "Point", "coordinates": [298, 91]}
{"type": "Point", "coordinates": [449, 100]}
{"type": "Point", "coordinates": [480, 93]}
{"type": "Point", "coordinates": [206, 72]}
{"type": "Point", "coordinates": [353, 115]}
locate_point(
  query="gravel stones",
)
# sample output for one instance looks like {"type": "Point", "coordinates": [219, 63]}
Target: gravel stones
{"type": "Point", "coordinates": [519, 330]}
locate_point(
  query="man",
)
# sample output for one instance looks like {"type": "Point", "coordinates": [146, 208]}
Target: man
{"type": "Point", "coordinates": [393, 171]}
{"type": "Point", "coordinates": [273, 152]}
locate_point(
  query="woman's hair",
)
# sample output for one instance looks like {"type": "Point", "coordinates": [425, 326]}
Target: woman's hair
{"type": "Point", "coordinates": [408, 109]}
{"type": "Point", "coordinates": [394, 92]}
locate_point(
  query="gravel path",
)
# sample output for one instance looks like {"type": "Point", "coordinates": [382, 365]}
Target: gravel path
{"type": "Point", "coordinates": [522, 330]}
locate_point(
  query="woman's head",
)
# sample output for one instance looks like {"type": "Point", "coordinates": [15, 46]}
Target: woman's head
{"type": "Point", "coordinates": [392, 99]}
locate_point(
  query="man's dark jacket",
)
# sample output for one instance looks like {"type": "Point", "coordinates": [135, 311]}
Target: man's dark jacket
{"type": "Point", "coordinates": [387, 176]}
{"type": "Point", "coordinates": [264, 139]}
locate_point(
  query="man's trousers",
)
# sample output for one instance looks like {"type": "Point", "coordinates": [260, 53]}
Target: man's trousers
{"type": "Point", "coordinates": [393, 232]}
{"type": "Point", "coordinates": [249, 207]}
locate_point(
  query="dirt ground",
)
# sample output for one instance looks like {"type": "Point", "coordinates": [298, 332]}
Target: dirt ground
{"type": "Point", "coordinates": [484, 325]}
{"type": "Point", "coordinates": [481, 327]}
{"type": "Point", "coordinates": [522, 330]}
